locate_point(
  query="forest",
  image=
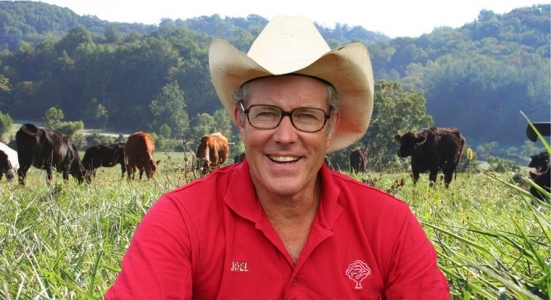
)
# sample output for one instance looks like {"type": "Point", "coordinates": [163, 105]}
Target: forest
{"type": "Point", "coordinates": [129, 77]}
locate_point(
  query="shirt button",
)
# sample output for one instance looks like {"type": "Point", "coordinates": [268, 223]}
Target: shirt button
{"type": "Point", "coordinates": [293, 282]}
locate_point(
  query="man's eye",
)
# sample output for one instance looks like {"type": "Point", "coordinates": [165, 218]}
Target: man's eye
{"type": "Point", "coordinates": [266, 114]}
{"type": "Point", "coordinates": [306, 116]}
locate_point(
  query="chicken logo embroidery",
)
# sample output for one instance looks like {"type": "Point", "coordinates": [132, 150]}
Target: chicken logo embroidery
{"type": "Point", "coordinates": [358, 271]}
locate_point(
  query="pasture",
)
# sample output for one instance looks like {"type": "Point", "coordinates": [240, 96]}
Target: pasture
{"type": "Point", "coordinates": [66, 241]}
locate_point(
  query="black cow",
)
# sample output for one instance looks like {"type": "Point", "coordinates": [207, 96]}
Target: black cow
{"type": "Point", "coordinates": [433, 149]}
{"type": "Point", "coordinates": [542, 180]}
{"type": "Point", "coordinates": [47, 149]}
{"type": "Point", "coordinates": [5, 166]}
{"type": "Point", "coordinates": [239, 157]}
{"type": "Point", "coordinates": [104, 156]}
{"type": "Point", "coordinates": [544, 128]}
{"type": "Point", "coordinates": [358, 160]}
{"type": "Point", "coordinates": [539, 161]}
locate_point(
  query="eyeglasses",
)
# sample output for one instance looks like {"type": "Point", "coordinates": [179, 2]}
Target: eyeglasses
{"type": "Point", "coordinates": [305, 119]}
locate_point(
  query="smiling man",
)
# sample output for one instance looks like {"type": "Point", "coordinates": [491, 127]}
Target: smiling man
{"type": "Point", "coordinates": [281, 224]}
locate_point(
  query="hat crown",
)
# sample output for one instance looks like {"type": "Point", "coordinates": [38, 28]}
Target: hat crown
{"type": "Point", "coordinates": [288, 43]}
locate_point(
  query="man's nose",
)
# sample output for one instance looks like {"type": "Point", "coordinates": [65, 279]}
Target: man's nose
{"type": "Point", "coordinates": [285, 132]}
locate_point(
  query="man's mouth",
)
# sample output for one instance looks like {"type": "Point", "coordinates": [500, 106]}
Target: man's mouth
{"type": "Point", "coordinates": [284, 159]}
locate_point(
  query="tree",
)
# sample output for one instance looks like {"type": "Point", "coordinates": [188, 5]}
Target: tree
{"type": "Point", "coordinates": [395, 111]}
{"type": "Point", "coordinates": [204, 124]}
{"type": "Point", "coordinates": [95, 115]}
{"type": "Point", "coordinates": [5, 123]}
{"type": "Point", "coordinates": [169, 108]}
{"type": "Point", "coordinates": [52, 118]}
{"type": "Point", "coordinates": [223, 122]}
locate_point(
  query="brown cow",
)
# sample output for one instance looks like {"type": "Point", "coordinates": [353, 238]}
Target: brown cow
{"type": "Point", "coordinates": [139, 155]}
{"type": "Point", "coordinates": [212, 152]}
{"type": "Point", "coordinates": [433, 149]}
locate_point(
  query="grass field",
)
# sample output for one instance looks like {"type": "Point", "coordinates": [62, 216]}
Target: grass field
{"type": "Point", "coordinates": [66, 241]}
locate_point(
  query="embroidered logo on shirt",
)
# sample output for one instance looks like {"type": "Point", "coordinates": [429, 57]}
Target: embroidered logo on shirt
{"type": "Point", "coordinates": [239, 266]}
{"type": "Point", "coordinates": [358, 271]}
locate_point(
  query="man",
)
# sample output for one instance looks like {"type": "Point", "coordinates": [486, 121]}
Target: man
{"type": "Point", "coordinates": [281, 224]}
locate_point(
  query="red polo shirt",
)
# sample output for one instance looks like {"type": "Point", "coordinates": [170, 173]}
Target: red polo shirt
{"type": "Point", "coordinates": [210, 239]}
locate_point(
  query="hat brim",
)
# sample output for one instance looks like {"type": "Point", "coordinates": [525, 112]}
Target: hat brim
{"type": "Point", "coordinates": [347, 68]}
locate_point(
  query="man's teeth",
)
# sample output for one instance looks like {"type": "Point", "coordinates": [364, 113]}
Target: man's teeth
{"type": "Point", "coordinates": [283, 158]}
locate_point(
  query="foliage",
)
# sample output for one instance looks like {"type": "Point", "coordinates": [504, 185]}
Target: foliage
{"type": "Point", "coordinates": [5, 123]}
{"type": "Point", "coordinates": [486, 150]}
{"type": "Point", "coordinates": [501, 165]}
{"type": "Point", "coordinates": [168, 109]}
{"type": "Point", "coordinates": [95, 115]}
{"type": "Point", "coordinates": [395, 111]}
{"type": "Point", "coordinates": [52, 118]}
{"type": "Point", "coordinates": [66, 241]}
{"type": "Point", "coordinates": [70, 128]}
{"type": "Point", "coordinates": [476, 77]}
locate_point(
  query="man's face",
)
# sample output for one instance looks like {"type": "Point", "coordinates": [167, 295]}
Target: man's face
{"type": "Point", "coordinates": [285, 161]}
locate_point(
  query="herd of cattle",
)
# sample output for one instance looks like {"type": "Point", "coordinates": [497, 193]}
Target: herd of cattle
{"type": "Point", "coordinates": [433, 150]}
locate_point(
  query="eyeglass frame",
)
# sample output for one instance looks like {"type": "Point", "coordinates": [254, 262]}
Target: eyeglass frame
{"type": "Point", "coordinates": [284, 113]}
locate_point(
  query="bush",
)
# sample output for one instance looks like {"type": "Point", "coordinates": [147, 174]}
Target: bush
{"type": "Point", "coordinates": [70, 128]}
{"type": "Point", "coordinates": [5, 123]}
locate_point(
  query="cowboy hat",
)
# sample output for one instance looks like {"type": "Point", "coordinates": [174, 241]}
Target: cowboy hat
{"type": "Point", "coordinates": [293, 45]}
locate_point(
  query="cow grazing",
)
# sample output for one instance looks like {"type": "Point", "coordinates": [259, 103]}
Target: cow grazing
{"type": "Point", "coordinates": [239, 157]}
{"type": "Point", "coordinates": [539, 161]}
{"type": "Point", "coordinates": [5, 166]}
{"type": "Point", "coordinates": [358, 160]}
{"type": "Point", "coordinates": [544, 128]}
{"type": "Point", "coordinates": [433, 149]}
{"type": "Point", "coordinates": [9, 162]}
{"type": "Point", "coordinates": [213, 150]}
{"type": "Point", "coordinates": [104, 155]}
{"type": "Point", "coordinates": [47, 149]}
{"type": "Point", "coordinates": [139, 155]}
{"type": "Point", "coordinates": [543, 180]}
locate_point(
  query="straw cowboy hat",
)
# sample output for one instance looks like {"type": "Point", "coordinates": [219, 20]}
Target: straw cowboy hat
{"type": "Point", "coordinates": [293, 45]}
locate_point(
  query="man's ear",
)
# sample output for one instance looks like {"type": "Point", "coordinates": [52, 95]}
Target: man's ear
{"type": "Point", "coordinates": [335, 124]}
{"type": "Point", "coordinates": [237, 111]}
{"type": "Point", "coordinates": [336, 121]}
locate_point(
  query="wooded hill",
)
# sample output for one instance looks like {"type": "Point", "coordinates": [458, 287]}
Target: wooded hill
{"type": "Point", "coordinates": [477, 77]}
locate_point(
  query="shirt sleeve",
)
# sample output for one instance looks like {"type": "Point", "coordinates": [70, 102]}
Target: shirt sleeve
{"type": "Point", "coordinates": [414, 270]}
{"type": "Point", "coordinates": [157, 264]}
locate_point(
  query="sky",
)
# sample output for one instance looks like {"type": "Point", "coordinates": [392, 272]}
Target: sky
{"type": "Point", "coordinates": [394, 18]}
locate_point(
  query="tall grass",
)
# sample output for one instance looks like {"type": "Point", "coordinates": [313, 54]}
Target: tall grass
{"type": "Point", "coordinates": [66, 241]}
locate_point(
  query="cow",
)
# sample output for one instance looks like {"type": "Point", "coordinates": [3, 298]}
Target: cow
{"type": "Point", "coordinates": [239, 157]}
{"type": "Point", "coordinates": [541, 179]}
{"type": "Point", "coordinates": [544, 128]}
{"type": "Point", "coordinates": [213, 150]}
{"type": "Point", "coordinates": [9, 162]}
{"type": "Point", "coordinates": [48, 149]}
{"type": "Point", "coordinates": [5, 166]}
{"type": "Point", "coordinates": [433, 149]}
{"type": "Point", "coordinates": [104, 155]}
{"type": "Point", "coordinates": [539, 161]}
{"type": "Point", "coordinates": [139, 155]}
{"type": "Point", "coordinates": [358, 160]}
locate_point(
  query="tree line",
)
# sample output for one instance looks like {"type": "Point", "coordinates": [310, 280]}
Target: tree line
{"type": "Point", "coordinates": [131, 77]}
